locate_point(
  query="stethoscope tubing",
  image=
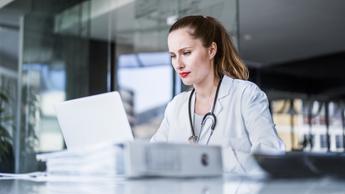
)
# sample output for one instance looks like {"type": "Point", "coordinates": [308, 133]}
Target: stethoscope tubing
{"type": "Point", "coordinates": [211, 115]}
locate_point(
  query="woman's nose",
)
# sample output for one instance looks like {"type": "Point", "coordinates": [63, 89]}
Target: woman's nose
{"type": "Point", "coordinates": [179, 63]}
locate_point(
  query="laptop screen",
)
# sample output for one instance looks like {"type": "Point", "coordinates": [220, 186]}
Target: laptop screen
{"type": "Point", "coordinates": [93, 120]}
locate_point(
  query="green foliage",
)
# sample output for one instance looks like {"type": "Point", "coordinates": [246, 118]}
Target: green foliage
{"type": "Point", "coordinates": [29, 119]}
{"type": "Point", "coordinates": [28, 134]}
{"type": "Point", "coordinates": [4, 134]}
{"type": "Point", "coordinates": [6, 140]}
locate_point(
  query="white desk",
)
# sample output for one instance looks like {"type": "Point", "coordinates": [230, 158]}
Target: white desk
{"type": "Point", "coordinates": [226, 185]}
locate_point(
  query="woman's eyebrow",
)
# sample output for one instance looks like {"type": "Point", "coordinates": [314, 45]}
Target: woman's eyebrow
{"type": "Point", "coordinates": [181, 49]}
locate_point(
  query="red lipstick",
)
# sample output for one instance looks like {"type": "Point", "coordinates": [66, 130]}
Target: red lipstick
{"type": "Point", "coordinates": [184, 74]}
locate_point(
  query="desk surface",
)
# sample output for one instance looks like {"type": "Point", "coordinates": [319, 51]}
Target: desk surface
{"type": "Point", "coordinates": [220, 185]}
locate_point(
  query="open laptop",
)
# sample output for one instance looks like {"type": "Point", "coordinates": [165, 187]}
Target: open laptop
{"type": "Point", "coordinates": [93, 120]}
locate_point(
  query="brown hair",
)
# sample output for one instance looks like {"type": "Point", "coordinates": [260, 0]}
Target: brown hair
{"type": "Point", "coordinates": [227, 60]}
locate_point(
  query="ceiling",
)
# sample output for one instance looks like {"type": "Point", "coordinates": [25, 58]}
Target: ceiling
{"type": "Point", "coordinates": [277, 31]}
{"type": "Point", "coordinates": [271, 31]}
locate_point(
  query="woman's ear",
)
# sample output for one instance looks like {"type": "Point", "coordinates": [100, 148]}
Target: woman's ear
{"type": "Point", "coordinates": [212, 50]}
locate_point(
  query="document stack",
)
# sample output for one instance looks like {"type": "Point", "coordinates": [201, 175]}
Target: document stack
{"type": "Point", "coordinates": [137, 159]}
{"type": "Point", "coordinates": [100, 160]}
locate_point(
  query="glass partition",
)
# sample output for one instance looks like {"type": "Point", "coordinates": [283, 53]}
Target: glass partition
{"type": "Point", "coordinates": [54, 66]}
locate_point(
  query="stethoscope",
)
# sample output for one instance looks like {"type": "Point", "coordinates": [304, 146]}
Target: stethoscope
{"type": "Point", "coordinates": [210, 115]}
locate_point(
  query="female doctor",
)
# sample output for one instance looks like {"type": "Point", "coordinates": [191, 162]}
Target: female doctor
{"type": "Point", "coordinates": [222, 108]}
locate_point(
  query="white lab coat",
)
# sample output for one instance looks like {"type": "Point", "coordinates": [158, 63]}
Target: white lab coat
{"type": "Point", "coordinates": [244, 125]}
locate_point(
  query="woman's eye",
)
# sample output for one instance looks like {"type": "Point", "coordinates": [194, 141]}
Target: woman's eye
{"type": "Point", "coordinates": [186, 53]}
{"type": "Point", "coordinates": [172, 56]}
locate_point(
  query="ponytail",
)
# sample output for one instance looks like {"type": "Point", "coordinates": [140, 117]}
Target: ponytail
{"type": "Point", "coordinates": [230, 62]}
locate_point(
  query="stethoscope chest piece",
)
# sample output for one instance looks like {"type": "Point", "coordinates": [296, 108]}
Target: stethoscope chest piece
{"type": "Point", "coordinates": [193, 139]}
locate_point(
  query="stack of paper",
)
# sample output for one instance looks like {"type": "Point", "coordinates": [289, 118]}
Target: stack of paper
{"type": "Point", "coordinates": [101, 160]}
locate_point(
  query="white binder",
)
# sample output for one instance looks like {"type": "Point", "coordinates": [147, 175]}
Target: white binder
{"type": "Point", "coordinates": [173, 160]}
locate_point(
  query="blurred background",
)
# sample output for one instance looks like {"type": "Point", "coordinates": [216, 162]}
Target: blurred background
{"type": "Point", "coordinates": [56, 50]}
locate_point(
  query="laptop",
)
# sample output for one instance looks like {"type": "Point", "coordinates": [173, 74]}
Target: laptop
{"type": "Point", "coordinates": [93, 120]}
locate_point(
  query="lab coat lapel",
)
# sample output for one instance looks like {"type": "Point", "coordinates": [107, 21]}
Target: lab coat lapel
{"type": "Point", "coordinates": [188, 131]}
{"type": "Point", "coordinates": [224, 91]}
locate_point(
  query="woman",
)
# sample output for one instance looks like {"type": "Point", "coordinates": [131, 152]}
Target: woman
{"type": "Point", "coordinates": [222, 109]}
